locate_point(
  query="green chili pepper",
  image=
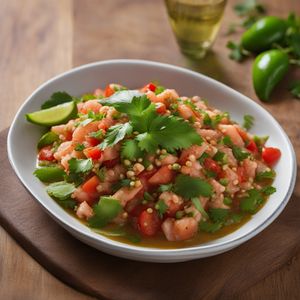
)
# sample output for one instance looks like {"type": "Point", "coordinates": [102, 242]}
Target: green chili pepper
{"type": "Point", "coordinates": [262, 34]}
{"type": "Point", "coordinates": [268, 69]}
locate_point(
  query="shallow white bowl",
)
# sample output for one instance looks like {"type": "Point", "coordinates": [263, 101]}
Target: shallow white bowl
{"type": "Point", "coordinates": [23, 136]}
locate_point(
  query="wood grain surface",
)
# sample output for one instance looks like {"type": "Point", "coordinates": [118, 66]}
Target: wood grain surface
{"type": "Point", "coordinates": [41, 38]}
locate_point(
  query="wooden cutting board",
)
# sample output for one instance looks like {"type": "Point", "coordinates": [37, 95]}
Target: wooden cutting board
{"type": "Point", "coordinates": [105, 276]}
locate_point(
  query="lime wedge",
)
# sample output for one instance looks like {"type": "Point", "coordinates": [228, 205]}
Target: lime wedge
{"type": "Point", "coordinates": [55, 115]}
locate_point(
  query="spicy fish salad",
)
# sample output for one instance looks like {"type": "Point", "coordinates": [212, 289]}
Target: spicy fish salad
{"type": "Point", "coordinates": [152, 165]}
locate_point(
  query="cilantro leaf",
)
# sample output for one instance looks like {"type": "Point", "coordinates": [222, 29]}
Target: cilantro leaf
{"type": "Point", "coordinates": [121, 98]}
{"type": "Point", "coordinates": [248, 122]}
{"type": "Point", "coordinates": [239, 154]}
{"type": "Point", "coordinates": [56, 99]}
{"type": "Point", "coordinates": [190, 187]}
{"type": "Point", "coordinates": [101, 174]}
{"type": "Point", "coordinates": [78, 169]}
{"type": "Point", "coordinates": [251, 202]}
{"type": "Point", "coordinates": [170, 133]}
{"type": "Point", "coordinates": [210, 227]}
{"type": "Point", "coordinates": [121, 183]}
{"type": "Point", "coordinates": [131, 150]}
{"type": "Point", "coordinates": [165, 187]}
{"type": "Point", "coordinates": [218, 214]}
{"type": "Point", "coordinates": [106, 210]}
{"type": "Point", "coordinates": [295, 88]}
{"type": "Point", "coordinates": [238, 53]}
{"type": "Point", "coordinates": [50, 174]}
{"type": "Point", "coordinates": [219, 156]}
{"type": "Point", "coordinates": [115, 134]}
{"type": "Point", "coordinates": [265, 175]}
{"type": "Point", "coordinates": [199, 207]}
{"type": "Point", "coordinates": [97, 134]}
{"type": "Point", "coordinates": [161, 207]}
{"type": "Point", "coordinates": [268, 190]}
{"type": "Point", "coordinates": [80, 165]}
{"type": "Point", "coordinates": [61, 191]}
{"type": "Point", "coordinates": [79, 147]}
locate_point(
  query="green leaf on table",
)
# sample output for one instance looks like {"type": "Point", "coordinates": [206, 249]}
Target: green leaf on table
{"type": "Point", "coordinates": [295, 88]}
{"type": "Point", "coordinates": [249, 7]}
{"type": "Point", "coordinates": [238, 53]}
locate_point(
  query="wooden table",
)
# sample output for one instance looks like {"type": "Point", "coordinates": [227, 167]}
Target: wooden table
{"type": "Point", "coordinates": [41, 38]}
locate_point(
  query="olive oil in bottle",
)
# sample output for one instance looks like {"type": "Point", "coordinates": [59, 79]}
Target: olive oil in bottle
{"type": "Point", "coordinates": [195, 24]}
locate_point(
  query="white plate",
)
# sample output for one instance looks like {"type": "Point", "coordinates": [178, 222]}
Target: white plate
{"type": "Point", "coordinates": [23, 137]}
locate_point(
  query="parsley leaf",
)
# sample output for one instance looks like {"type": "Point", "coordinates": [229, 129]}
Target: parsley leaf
{"type": "Point", "coordinates": [248, 122]}
{"type": "Point", "coordinates": [56, 99]}
{"type": "Point", "coordinates": [161, 207]}
{"type": "Point", "coordinates": [170, 133]}
{"type": "Point", "coordinates": [295, 88]}
{"type": "Point", "coordinates": [238, 53]}
{"type": "Point", "coordinates": [106, 210]}
{"type": "Point", "coordinates": [61, 191]}
{"type": "Point", "coordinates": [251, 202]}
{"type": "Point", "coordinates": [130, 150]}
{"type": "Point", "coordinates": [190, 187]}
{"type": "Point", "coordinates": [115, 134]}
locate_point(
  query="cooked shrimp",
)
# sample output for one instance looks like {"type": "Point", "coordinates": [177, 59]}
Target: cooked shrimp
{"type": "Point", "coordinates": [84, 211]}
{"type": "Point", "coordinates": [125, 194]}
{"type": "Point", "coordinates": [185, 112]}
{"type": "Point", "coordinates": [81, 132]}
{"type": "Point", "coordinates": [232, 132]}
{"type": "Point", "coordinates": [169, 159]}
{"type": "Point", "coordinates": [179, 230]}
{"type": "Point", "coordinates": [91, 105]}
{"type": "Point", "coordinates": [195, 150]}
{"type": "Point", "coordinates": [64, 149]}
{"type": "Point", "coordinates": [193, 169]}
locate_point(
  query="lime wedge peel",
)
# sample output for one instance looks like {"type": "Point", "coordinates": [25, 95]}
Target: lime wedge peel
{"type": "Point", "coordinates": [55, 115]}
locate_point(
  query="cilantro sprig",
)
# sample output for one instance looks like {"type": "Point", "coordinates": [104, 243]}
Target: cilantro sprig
{"type": "Point", "coordinates": [153, 130]}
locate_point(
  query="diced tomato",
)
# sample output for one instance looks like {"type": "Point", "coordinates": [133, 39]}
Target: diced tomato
{"type": "Point", "coordinates": [111, 163]}
{"type": "Point", "coordinates": [252, 146]}
{"type": "Point", "coordinates": [94, 153]}
{"type": "Point", "coordinates": [161, 108]}
{"type": "Point", "coordinates": [271, 155]}
{"type": "Point", "coordinates": [162, 176]}
{"type": "Point", "coordinates": [150, 86]}
{"type": "Point", "coordinates": [137, 210]}
{"type": "Point", "coordinates": [149, 223]}
{"type": "Point", "coordinates": [46, 153]}
{"type": "Point", "coordinates": [108, 91]}
{"type": "Point", "coordinates": [68, 135]}
{"type": "Point", "coordinates": [92, 141]}
{"type": "Point", "coordinates": [242, 175]}
{"type": "Point", "coordinates": [90, 186]}
{"type": "Point", "coordinates": [211, 165]}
